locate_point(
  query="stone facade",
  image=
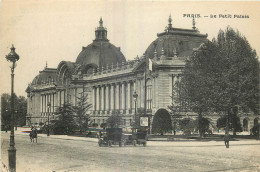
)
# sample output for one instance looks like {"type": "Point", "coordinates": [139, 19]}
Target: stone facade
{"type": "Point", "coordinates": [109, 80]}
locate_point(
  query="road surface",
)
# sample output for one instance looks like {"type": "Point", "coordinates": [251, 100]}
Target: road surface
{"type": "Point", "coordinates": [60, 153]}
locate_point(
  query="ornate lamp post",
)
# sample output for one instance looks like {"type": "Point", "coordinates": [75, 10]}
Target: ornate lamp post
{"type": "Point", "coordinates": [16, 115]}
{"type": "Point", "coordinates": [6, 124]}
{"type": "Point", "coordinates": [48, 129]}
{"type": "Point", "coordinates": [135, 95]}
{"type": "Point", "coordinates": [12, 57]}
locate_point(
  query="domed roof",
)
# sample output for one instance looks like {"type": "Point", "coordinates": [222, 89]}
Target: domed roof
{"type": "Point", "coordinates": [48, 75]}
{"type": "Point", "coordinates": [176, 41]}
{"type": "Point", "coordinates": [100, 52]}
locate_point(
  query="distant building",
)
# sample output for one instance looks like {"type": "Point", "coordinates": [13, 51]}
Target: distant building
{"type": "Point", "coordinates": [102, 72]}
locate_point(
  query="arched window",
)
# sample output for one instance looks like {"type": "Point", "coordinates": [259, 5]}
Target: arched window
{"type": "Point", "coordinates": [49, 79]}
{"type": "Point", "coordinates": [245, 124]}
{"type": "Point", "coordinates": [89, 69]}
{"type": "Point", "coordinates": [149, 94]}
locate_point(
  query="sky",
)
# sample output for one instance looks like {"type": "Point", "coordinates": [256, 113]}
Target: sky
{"type": "Point", "coordinates": [54, 31]}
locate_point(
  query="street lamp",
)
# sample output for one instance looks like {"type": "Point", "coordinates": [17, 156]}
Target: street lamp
{"type": "Point", "coordinates": [6, 123]}
{"type": "Point", "coordinates": [16, 111]}
{"type": "Point", "coordinates": [48, 129]}
{"type": "Point", "coordinates": [135, 95]}
{"type": "Point", "coordinates": [12, 57]}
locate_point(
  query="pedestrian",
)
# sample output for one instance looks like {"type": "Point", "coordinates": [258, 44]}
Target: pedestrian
{"type": "Point", "coordinates": [226, 139]}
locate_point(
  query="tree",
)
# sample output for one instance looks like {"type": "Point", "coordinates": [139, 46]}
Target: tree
{"type": "Point", "coordinates": [162, 122]}
{"type": "Point", "coordinates": [187, 125]}
{"type": "Point", "coordinates": [203, 125]}
{"type": "Point", "coordinates": [20, 110]}
{"type": "Point", "coordinates": [65, 123]}
{"type": "Point", "coordinates": [177, 105]}
{"type": "Point", "coordinates": [222, 76]}
{"type": "Point", "coordinates": [5, 111]}
{"type": "Point", "coordinates": [81, 110]}
{"type": "Point", "coordinates": [115, 120]}
{"type": "Point", "coordinates": [103, 125]}
{"type": "Point", "coordinates": [235, 124]}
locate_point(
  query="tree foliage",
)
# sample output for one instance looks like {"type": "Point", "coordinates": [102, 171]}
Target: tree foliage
{"type": "Point", "coordinates": [81, 110]}
{"type": "Point", "coordinates": [233, 124]}
{"type": "Point", "coordinates": [64, 122]}
{"type": "Point", "coordinates": [115, 120]}
{"type": "Point", "coordinates": [223, 75]}
{"type": "Point", "coordinates": [177, 105]}
{"type": "Point", "coordinates": [162, 122]}
{"type": "Point", "coordinates": [187, 125]}
{"type": "Point", "coordinates": [20, 110]}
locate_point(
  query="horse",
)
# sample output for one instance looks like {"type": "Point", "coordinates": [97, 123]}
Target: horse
{"type": "Point", "coordinates": [33, 135]}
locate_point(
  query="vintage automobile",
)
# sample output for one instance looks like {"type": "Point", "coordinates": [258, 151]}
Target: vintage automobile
{"type": "Point", "coordinates": [111, 136]}
{"type": "Point", "coordinates": [139, 137]}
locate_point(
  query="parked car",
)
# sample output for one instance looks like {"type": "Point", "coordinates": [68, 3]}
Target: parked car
{"type": "Point", "coordinates": [111, 136]}
{"type": "Point", "coordinates": [135, 138]}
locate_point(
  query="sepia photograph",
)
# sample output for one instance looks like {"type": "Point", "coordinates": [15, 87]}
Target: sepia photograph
{"type": "Point", "coordinates": [111, 86]}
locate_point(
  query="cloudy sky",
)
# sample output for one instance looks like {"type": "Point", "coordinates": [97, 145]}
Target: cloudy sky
{"type": "Point", "coordinates": [53, 31]}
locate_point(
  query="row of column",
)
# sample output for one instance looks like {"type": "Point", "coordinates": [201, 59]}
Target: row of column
{"type": "Point", "coordinates": [45, 99]}
{"type": "Point", "coordinates": [115, 96]}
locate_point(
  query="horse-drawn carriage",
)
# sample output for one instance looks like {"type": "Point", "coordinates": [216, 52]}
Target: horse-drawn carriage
{"type": "Point", "coordinates": [111, 136]}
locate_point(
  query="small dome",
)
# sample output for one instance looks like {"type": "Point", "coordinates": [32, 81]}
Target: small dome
{"type": "Point", "coordinates": [100, 53]}
{"type": "Point", "coordinates": [47, 76]}
{"type": "Point", "coordinates": [176, 42]}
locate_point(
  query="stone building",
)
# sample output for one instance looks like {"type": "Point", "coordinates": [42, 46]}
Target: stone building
{"type": "Point", "coordinates": [109, 80]}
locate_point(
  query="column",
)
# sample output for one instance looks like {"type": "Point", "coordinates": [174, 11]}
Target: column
{"type": "Point", "coordinates": [50, 97]}
{"type": "Point", "coordinates": [60, 98]}
{"type": "Point", "coordinates": [98, 98]}
{"type": "Point", "coordinates": [174, 86]}
{"type": "Point", "coordinates": [93, 99]}
{"type": "Point", "coordinates": [117, 95]}
{"type": "Point", "coordinates": [112, 91]}
{"type": "Point", "coordinates": [45, 103]}
{"type": "Point", "coordinates": [53, 97]}
{"type": "Point", "coordinates": [129, 95]}
{"type": "Point", "coordinates": [41, 103]}
{"type": "Point", "coordinates": [107, 97]}
{"type": "Point", "coordinates": [157, 92]}
{"type": "Point", "coordinates": [135, 89]}
{"type": "Point", "coordinates": [103, 98]}
{"type": "Point", "coordinates": [171, 84]}
{"type": "Point", "coordinates": [141, 101]}
{"type": "Point", "coordinates": [123, 96]}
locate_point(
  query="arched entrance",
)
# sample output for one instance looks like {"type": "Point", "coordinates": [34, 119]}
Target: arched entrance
{"type": "Point", "coordinates": [245, 124]}
{"type": "Point", "coordinates": [162, 122]}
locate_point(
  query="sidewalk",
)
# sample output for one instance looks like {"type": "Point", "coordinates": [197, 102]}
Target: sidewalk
{"type": "Point", "coordinates": [64, 137]}
{"type": "Point", "coordinates": [154, 140]}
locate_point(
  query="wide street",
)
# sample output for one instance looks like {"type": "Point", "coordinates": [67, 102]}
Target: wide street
{"type": "Point", "coordinates": [67, 153]}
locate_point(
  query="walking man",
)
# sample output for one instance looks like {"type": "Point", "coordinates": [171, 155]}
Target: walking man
{"type": "Point", "coordinates": [226, 139]}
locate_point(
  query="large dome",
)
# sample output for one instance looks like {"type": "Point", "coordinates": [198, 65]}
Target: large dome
{"type": "Point", "coordinates": [176, 41]}
{"type": "Point", "coordinates": [100, 53]}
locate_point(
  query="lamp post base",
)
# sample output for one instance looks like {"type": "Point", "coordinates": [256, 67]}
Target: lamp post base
{"type": "Point", "coordinates": [12, 159]}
